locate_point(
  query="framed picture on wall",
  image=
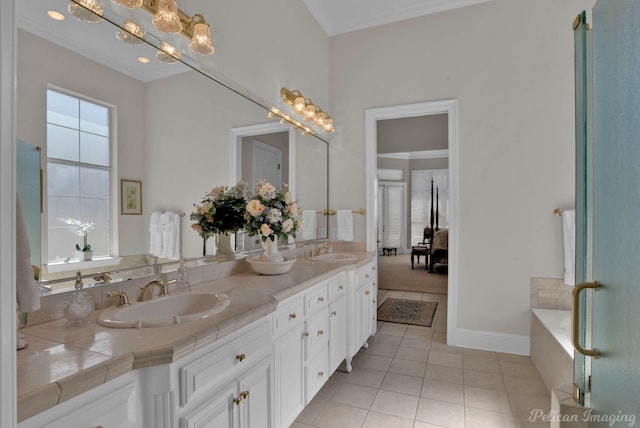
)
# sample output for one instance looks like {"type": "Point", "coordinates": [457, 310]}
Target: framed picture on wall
{"type": "Point", "coordinates": [130, 197]}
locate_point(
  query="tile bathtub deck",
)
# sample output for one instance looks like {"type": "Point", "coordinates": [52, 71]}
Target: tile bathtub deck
{"type": "Point", "coordinates": [409, 377]}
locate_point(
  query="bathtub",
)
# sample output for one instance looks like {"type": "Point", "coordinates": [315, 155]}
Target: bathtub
{"type": "Point", "coordinates": [551, 349]}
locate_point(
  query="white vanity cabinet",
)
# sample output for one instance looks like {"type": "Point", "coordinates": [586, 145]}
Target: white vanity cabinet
{"type": "Point", "coordinates": [113, 404]}
{"type": "Point", "coordinates": [227, 384]}
{"type": "Point", "coordinates": [363, 318]}
{"type": "Point", "coordinates": [310, 341]}
{"type": "Point", "coordinates": [288, 360]}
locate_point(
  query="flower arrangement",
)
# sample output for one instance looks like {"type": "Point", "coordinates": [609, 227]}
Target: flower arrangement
{"type": "Point", "coordinates": [272, 213]}
{"type": "Point", "coordinates": [221, 210]}
{"type": "Point", "coordinates": [81, 229]}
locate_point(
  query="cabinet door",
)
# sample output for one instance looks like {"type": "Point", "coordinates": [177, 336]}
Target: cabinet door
{"type": "Point", "coordinates": [337, 333]}
{"type": "Point", "coordinates": [288, 355]}
{"type": "Point", "coordinates": [255, 391]}
{"type": "Point", "coordinates": [218, 412]}
{"type": "Point", "coordinates": [363, 314]}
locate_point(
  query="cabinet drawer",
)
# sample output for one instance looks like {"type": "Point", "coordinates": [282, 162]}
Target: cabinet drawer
{"type": "Point", "coordinates": [316, 333]}
{"type": "Point", "coordinates": [290, 315]}
{"type": "Point", "coordinates": [365, 275]}
{"type": "Point", "coordinates": [205, 372]}
{"type": "Point", "coordinates": [316, 298]}
{"type": "Point", "coordinates": [337, 287]}
{"type": "Point", "coordinates": [316, 374]}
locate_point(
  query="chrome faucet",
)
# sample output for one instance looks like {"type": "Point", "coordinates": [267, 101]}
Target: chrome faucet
{"type": "Point", "coordinates": [147, 290]}
{"type": "Point", "coordinates": [316, 252]}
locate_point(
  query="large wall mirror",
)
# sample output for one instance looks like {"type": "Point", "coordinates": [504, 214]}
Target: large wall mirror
{"type": "Point", "coordinates": [175, 131]}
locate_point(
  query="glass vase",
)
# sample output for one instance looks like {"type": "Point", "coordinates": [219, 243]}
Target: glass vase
{"type": "Point", "coordinates": [271, 252]}
{"type": "Point", "coordinates": [223, 244]}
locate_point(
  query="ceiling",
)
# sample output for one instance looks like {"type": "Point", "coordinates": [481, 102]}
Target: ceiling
{"type": "Point", "coordinates": [342, 16]}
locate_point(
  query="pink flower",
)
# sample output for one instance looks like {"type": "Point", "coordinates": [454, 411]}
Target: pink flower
{"type": "Point", "coordinates": [255, 208]}
{"type": "Point", "coordinates": [265, 230]}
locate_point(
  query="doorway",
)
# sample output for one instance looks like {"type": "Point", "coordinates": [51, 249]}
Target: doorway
{"type": "Point", "coordinates": [372, 116]}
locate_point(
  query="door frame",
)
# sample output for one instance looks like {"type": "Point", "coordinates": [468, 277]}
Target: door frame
{"type": "Point", "coordinates": [372, 115]}
{"type": "Point", "coordinates": [235, 149]}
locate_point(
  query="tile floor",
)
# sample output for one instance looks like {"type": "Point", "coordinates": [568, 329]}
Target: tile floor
{"type": "Point", "coordinates": [409, 377]}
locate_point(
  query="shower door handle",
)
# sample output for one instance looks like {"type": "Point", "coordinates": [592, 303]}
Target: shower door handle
{"type": "Point", "coordinates": [575, 318]}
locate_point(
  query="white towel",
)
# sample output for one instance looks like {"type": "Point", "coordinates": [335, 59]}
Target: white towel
{"type": "Point", "coordinates": [170, 235]}
{"type": "Point", "coordinates": [309, 220]}
{"type": "Point", "coordinates": [569, 241]}
{"type": "Point", "coordinates": [27, 292]}
{"type": "Point", "coordinates": [155, 232]}
{"type": "Point", "coordinates": [345, 225]}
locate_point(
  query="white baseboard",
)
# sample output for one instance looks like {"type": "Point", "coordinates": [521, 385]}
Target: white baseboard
{"type": "Point", "coordinates": [491, 341]}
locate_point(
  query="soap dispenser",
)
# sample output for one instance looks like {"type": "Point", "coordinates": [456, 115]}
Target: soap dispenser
{"type": "Point", "coordinates": [78, 309]}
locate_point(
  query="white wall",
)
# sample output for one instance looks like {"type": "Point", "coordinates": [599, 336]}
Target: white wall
{"type": "Point", "coordinates": [509, 63]}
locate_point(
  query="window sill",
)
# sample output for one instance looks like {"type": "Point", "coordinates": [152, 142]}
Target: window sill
{"type": "Point", "coordinates": [76, 264]}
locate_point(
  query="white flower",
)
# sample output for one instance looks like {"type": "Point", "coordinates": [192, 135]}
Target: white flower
{"type": "Point", "coordinates": [274, 215]}
{"type": "Point", "coordinates": [287, 225]}
{"type": "Point", "coordinates": [267, 191]}
{"type": "Point", "coordinates": [288, 198]}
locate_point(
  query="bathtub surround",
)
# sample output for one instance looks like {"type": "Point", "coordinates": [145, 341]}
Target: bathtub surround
{"type": "Point", "coordinates": [550, 293]}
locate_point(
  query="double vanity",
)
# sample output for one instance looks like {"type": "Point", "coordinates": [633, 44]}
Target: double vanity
{"type": "Point", "coordinates": [243, 350]}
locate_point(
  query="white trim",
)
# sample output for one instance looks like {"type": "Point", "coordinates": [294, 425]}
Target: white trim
{"type": "Point", "coordinates": [8, 412]}
{"type": "Point", "coordinates": [425, 154]}
{"type": "Point", "coordinates": [449, 107]}
{"type": "Point", "coordinates": [491, 341]}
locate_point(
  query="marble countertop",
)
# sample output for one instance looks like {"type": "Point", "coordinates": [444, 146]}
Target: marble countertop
{"type": "Point", "coordinates": [62, 362]}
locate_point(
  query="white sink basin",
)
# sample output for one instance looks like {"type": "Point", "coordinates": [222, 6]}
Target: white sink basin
{"type": "Point", "coordinates": [164, 310]}
{"type": "Point", "coordinates": [334, 257]}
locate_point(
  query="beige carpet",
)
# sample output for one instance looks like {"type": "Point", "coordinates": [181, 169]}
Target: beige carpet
{"type": "Point", "coordinates": [395, 273]}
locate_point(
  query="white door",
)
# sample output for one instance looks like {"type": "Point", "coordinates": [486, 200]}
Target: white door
{"type": "Point", "coordinates": [267, 163]}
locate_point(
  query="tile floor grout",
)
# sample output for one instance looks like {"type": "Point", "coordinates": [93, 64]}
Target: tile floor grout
{"type": "Point", "coordinates": [456, 387]}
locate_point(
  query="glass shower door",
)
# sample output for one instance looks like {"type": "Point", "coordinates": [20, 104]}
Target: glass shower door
{"type": "Point", "coordinates": [616, 226]}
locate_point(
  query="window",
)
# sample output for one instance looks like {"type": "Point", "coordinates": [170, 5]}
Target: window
{"type": "Point", "coordinates": [421, 200]}
{"type": "Point", "coordinates": [78, 174]}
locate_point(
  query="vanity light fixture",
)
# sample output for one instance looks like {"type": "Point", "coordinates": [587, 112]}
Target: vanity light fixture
{"type": "Point", "coordinates": [131, 33]}
{"type": "Point", "coordinates": [168, 54]}
{"type": "Point", "coordinates": [129, 4]}
{"type": "Point", "coordinates": [86, 10]}
{"type": "Point", "coordinates": [169, 19]}
{"type": "Point", "coordinates": [307, 110]}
